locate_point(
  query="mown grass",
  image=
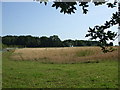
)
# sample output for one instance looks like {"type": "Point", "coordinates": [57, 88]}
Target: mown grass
{"type": "Point", "coordinates": [34, 74]}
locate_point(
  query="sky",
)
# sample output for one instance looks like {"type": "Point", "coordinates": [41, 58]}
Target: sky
{"type": "Point", "coordinates": [31, 18]}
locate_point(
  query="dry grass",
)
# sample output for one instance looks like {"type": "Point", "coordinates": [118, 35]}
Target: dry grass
{"type": "Point", "coordinates": [63, 55]}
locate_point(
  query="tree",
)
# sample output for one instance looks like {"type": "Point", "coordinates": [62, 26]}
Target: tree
{"type": "Point", "coordinates": [55, 41]}
{"type": "Point", "coordinates": [52, 41]}
{"type": "Point", "coordinates": [44, 41]}
{"type": "Point", "coordinates": [98, 32]}
{"type": "Point", "coordinates": [68, 43]}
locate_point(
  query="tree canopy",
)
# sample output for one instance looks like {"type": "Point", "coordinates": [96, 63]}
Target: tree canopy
{"type": "Point", "coordinates": [99, 32]}
{"type": "Point", "coordinates": [52, 41]}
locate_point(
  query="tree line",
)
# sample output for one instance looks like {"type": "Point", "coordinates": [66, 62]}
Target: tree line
{"type": "Point", "coordinates": [52, 41]}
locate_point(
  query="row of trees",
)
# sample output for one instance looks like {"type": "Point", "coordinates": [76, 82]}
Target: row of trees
{"type": "Point", "coordinates": [52, 41]}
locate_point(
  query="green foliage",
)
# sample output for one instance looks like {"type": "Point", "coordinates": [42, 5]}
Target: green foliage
{"type": "Point", "coordinates": [2, 46]}
{"type": "Point", "coordinates": [70, 7]}
{"type": "Point", "coordinates": [100, 33]}
{"type": "Point", "coordinates": [52, 41]}
{"type": "Point", "coordinates": [55, 41]}
{"type": "Point", "coordinates": [66, 7]}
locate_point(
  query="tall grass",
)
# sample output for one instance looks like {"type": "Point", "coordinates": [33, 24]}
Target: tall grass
{"type": "Point", "coordinates": [83, 53]}
{"type": "Point", "coordinates": [63, 55]}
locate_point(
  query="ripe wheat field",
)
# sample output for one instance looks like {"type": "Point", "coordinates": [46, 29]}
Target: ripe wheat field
{"type": "Point", "coordinates": [64, 55]}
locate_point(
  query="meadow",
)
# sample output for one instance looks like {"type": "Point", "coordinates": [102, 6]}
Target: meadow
{"type": "Point", "coordinates": [63, 55]}
{"type": "Point", "coordinates": [71, 67]}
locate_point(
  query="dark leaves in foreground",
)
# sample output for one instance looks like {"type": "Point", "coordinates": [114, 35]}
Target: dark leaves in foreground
{"type": "Point", "coordinates": [102, 34]}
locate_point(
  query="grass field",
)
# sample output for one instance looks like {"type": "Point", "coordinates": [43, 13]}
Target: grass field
{"type": "Point", "coordinates": [63, 55]}
{"type": "Point", "coordinates": [85, 67]}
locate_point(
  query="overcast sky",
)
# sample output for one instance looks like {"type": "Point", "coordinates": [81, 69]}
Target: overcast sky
{"type": "Point", "coordinates": [31, 18]}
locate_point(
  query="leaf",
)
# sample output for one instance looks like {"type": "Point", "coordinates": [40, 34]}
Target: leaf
{"type": "Point", "coordinates": [87, 35]}
{"type": "Point", "coordinates": [111, 5]}
{"type": "Point", "coordinates": [85, 11]}
{"type": "Point", "coordinates": [45, 3]}
{"type": "Point", "coordinates": [53, 5]}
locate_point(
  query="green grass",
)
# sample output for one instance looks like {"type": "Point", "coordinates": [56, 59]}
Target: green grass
{"type": "Point", "coordinates": [85, 53]}
{"type": "Point", "coordinates": [33, 74]}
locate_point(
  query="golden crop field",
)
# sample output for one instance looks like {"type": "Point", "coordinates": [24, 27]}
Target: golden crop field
{"type": "Point", "coordinates": [64, 55]}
